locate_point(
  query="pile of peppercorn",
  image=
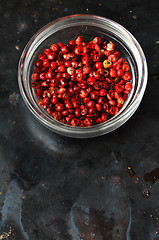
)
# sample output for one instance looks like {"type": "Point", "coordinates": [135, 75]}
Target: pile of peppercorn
{"type": "Point", "coordinates": [82, 84]}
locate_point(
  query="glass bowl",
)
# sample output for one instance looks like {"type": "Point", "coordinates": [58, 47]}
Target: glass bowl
{"type": "Point", "coordinates": [89, 26]}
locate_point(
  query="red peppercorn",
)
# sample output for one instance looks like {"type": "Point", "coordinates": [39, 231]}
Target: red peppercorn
{"type": "Point", "coordinates": [125, 96]}
{"type": "Point", "coordinates": [49, 75]}
{"type": "Point", "coordinates": [85, 51]}
{"type": "Point", "coordinates": [83, 93]}
{"type": "Point", "coordinates": [65, 113]}
{"type": "Point", "coordinates": [106, 52]}
{"type": "Point", "coordinates": [120, 72]}
{"type": "Point", "coordinates": [82, 123]}
{"type": "Point", "coordinates": [38, 92]}
{"type": "Point", "coordinates": [45, 84]}
{"type": "Point", "coordinates": [59, 107]}
{"type": "Point", "coordinates": [98, 65]}
{"type": "Point", "coordinates": [121, 60]}
{"type": "Point", "coordinates": [112, 102]}
{"type": "Point", "coordinates": [101, 100]}
{"type": "Point", "coordinates": [68, 105]}
{"type": "Point", "coordinates": [86, 99]}
{"type": "Point", "coordinates": [110, 95]}
{"type": "Point", "coordinates": [80, 77]}
{"type": "Point", "coordinates": [60, 96]}
{"type": "Point", "coordinates": [92, 110]}
{"type": "Point", "coordinates": [97, 40]}
{"type": "Point", "coordinates": [54, 100]}
{"type": "Point", "coordinates": [104, 117]}
{"type": "Point", "coordinates": [86, 69]}
{"type": "Point", "coordinates": [71, 115]}
{"type": "Point", "coordinates": [54, 65]}
{"type": "Point", "coordinates": [117, 53]}
{"type": "Point", "coordinates": [77, 112]}
{"type": "Point", "coordinates": [119, 87]}
{"type": "Point", "coordinates": [90, 116]}
{"type": "Point", "coordinates": [96, 57]}
{"type": "Point", "coordinates": [89, 89]}
{"type": "Point", "coordinates": [96, 47]}
{"type": "Point", "coordinates": [54, 47]}
{"type": "Point", "coordinates": [96, 75]}
{"type": "Point", "coordinates": [116, 65]}
{"type": "Point", "coordinates": [90, 104]}
{"type": "Point", "coordinates": [113, 58]}
{"type": "Point", "coordinates": [98, 85]}
{"type": "Point", "coordinates": [126, 92]}
{"type": "Point", "coordinates": [66, 96]}
{"type": "Point", "coordinates": [79, 40]}
{"type": "Point", "coordinates": [35, 76]}
{"type": "Point", "coordinates": [113, 110]}
{"type": "Point", "coordinates": [61, 90]}
{"type": "Point", "coordinates": [74, 64]}
{"type": "Point", "coordinates": [83, 85]}
{"type": "Point", "coordinates": [86, 60]}
{"type": "Point", "coordinates": [42, 56]}
{"type": "Point", "coordinates": [128, 86]}
{"type": "Point", "coordinates": [127, 76]}
{"type": "Point", "coordinates": [119, 105]}
{"type": "Point", "coordinates": [88, 122]}
{"type": "Point", "coordinates": [72, 42]}
{"type": "Point", "coordinates": [98, 120]}
{"type": "Point", "coordinates": [38, 63]}
{"type": "Point", "coordinates": [47, 51]}
{"type": "Point", "coordinates": [46, 101]}
{"type": "Point", "coordinates": [105, 85]}
{"type": "Point", "coordinates": [65, 75]}
{"type": "Point", "coordinates": [117, 95]}
{"type": "Point", "coordinates": [103, 92]}
{"type": "Point", "coordinates": [67, 64]}
{"type": "Point", "coordinates": [126, 67]}
{"type": "Point", "coordinates": [75, 122]}
{"type": "Point", "coordinates": [98, 107]}
{"type": "Point", "coordinates": [62, 68]}
{"type": "Point", "coordinates": [109, 80]}
{"type": "Point", "coordinates": [60, 44]}
{"type": "Point", "coordinates": [64, 49]}
{"type": "Point", "coordinates": [105, 106]}
{"type": "Point", "coordinates": [91, 81]}
{"type": "Point", "coordinates": [78, 71]}
{"type": "Point", "coordinates": [78, 50]}
{"type": "Point", "coordinates": [46, 63]}
{"type": "Point", "coordinates": [84, 112]}
{"type": "Point", "coordinates": [35, 85]}
{"type": "Point", "coordinates": [50, 109]}
{"type": "Point", "coordinates": [54, 82]}
{"type": "Point", "coordinates": [62, 83]}
{"type": "Point", "coordinates": [121, 81]}
{"type": "Point", "coordinates": [51, 56]}
{"type": "Point", "coordinates": [94, 95]}
{"type": "Point", "coordinates": [112, 73]}
{"type": "Point", "coordinates": [76, 104]}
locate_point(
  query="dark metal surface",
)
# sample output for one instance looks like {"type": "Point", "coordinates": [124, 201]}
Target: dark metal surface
{"type": "Point", "coordinates": [58, 188]}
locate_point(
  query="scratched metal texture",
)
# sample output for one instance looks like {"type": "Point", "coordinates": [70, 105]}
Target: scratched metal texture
{"type": "Point", "coordinates": [58, 188]}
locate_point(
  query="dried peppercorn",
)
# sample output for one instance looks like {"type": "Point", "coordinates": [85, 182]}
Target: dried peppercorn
{"type": "Point", "coordinates": [81, 84]}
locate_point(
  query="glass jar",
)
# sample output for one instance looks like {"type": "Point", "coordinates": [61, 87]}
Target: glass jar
{"type": "Point", "coordinates": [89, 26]}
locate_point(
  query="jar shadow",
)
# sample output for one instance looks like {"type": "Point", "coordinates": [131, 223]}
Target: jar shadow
{"type": "Point", "coordinates": [54, 143]}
